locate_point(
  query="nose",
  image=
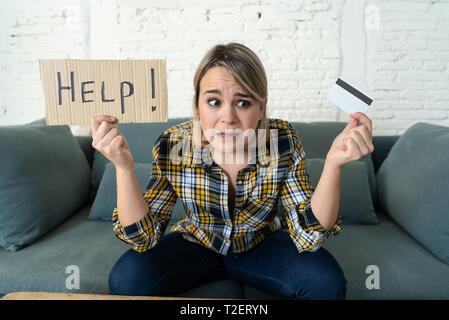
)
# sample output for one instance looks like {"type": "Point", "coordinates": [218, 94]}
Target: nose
{"type": "Point", "coordinates": [227, 114]}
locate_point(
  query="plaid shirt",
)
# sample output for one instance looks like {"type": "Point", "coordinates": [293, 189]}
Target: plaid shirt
{"type": "Point", "coordinates": [202, 185]}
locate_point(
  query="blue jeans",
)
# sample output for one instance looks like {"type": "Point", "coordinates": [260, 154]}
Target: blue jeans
{"type": "Point", "coordinates": [176, 265]}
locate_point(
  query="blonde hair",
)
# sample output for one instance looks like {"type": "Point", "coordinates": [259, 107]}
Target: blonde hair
{"type": "Point", "coordinates": [247, 70]}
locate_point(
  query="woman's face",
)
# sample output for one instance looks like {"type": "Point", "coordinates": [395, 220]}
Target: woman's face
{"type": "Point", "coordinates": [226, 110]}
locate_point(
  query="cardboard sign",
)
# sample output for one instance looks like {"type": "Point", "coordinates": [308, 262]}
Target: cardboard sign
{"type": "Point", "coordinates": [130, 90]}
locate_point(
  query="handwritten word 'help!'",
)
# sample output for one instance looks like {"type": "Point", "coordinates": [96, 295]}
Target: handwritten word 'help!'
{"type": "Point", "coordinates": [84, 92]}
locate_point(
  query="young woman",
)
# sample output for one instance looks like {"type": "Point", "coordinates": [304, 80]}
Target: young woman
{"type": "Point", "coordinates": [231, 229]}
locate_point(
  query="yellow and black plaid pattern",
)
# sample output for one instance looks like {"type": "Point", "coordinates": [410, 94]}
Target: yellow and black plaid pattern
{"type": "Point", "coordinates": [182, 169]}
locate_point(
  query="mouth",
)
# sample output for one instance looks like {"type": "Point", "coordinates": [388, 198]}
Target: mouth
{"type": "Point", "coordinates": [228, 134]}
{"type": "Point", "coordinates": [222, 134]}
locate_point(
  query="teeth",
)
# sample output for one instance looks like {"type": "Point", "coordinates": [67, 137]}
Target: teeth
{"type": "Point", "coordinates": [227, 134]}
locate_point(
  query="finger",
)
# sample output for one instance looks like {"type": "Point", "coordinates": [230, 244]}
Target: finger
{"type": "Point", "coordinates": [109, 136]}
{"type": "Point", "coordinates": [104, 128]}
{"type": "Point", "coordinates": [366, 135]}
{"type": "Point", "coordinates": [352, 149]}
{"type": "Point", "coordinates": [117, 142]}
{"type": "Point", "coordinates": [95, 122]}
{"type": "Point", "coordinates": [351, 124]}
{"type": "Point", "coordinates": [363, 118]}
{"type": "Point", "coordinates": [360, 141]}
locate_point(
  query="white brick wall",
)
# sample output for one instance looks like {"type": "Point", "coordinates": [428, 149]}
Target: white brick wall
{"type": "Point", "coordinates": [304, 45]}
{"type": "Point", "coordinates": [30, 31]}
{"type": "Point", "coordinates": [408, 64]}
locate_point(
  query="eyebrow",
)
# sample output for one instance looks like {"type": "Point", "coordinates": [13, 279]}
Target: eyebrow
{"type": "Point", "coordinates": [237, 94]}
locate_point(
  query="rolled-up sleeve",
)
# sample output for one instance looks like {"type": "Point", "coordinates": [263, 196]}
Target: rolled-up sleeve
{"type": "Point", "coordinates": [295, 194]}
{"type": "Point", "coordinates": [161, 198]}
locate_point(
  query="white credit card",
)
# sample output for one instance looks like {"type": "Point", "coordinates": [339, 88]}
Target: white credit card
{"type": "Point", "coordinates": [348, 97]}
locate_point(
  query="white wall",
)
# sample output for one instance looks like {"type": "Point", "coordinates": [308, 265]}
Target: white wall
{"type": "Point", "coordinates": [400, 54]}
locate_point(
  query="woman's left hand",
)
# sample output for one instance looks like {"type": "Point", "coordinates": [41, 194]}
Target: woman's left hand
{"type": "Point", "coordinates": [353, 142]}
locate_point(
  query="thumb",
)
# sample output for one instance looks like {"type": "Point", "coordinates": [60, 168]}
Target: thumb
{"type": "Point", "coordinates": [95, 122]}
{"type": "Point", "coordinates": [351, 124]}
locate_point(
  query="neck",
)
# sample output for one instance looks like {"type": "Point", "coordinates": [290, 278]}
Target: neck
{"type": "Point", "coordinates": [230, 159]}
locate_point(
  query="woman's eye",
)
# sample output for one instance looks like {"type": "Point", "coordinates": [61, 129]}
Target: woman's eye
{"type": "Point", "coordinates": [244, 103]}
{"type": "Point", "coordinates": [213, 102]}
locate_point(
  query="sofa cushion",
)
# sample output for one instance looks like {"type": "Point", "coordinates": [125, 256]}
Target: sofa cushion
{"type": "Point", "coordinates": [85, 142]}
{"type": "Point", "coordinates": [406, 269]}
{"type": "Point", "coordinates": [38, 122]}
{"type": "Point", "coordinates": [356, 205]}
{"type": "Point", "coordinates": [89, 245]}
{"type": "Point", "coordinates": [141, 138]}
{"type": "Point", "coordinates": [44, 179]}
{"type": "Point", "coordinates": [413, 185]}
{"type": "Point", "coordinates": [317, 138]}
{"type": "Point", "coordinates": [106, 198]}
{"type": "Point", "coordinates": [93, 248]}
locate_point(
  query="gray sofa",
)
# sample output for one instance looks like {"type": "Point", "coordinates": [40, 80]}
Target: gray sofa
{"type": "Point", "coordinates": [406, 268]}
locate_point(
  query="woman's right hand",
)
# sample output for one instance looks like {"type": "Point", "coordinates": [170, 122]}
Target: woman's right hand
{"type": "Point", "coordinates": [106, 138]}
